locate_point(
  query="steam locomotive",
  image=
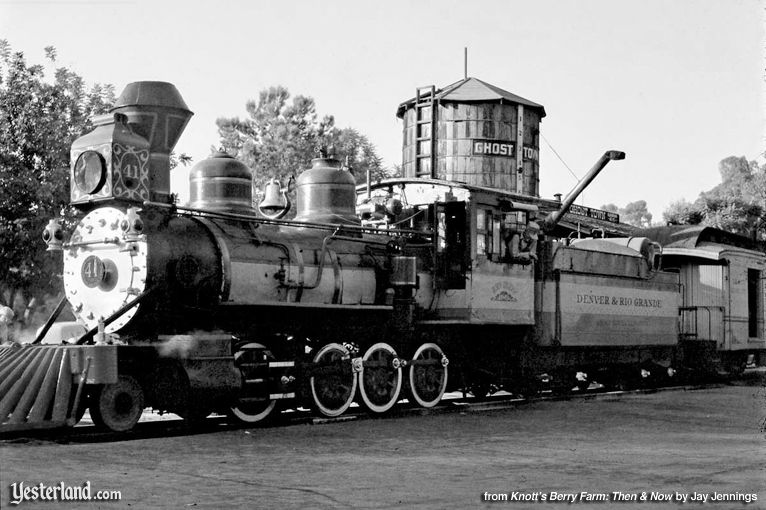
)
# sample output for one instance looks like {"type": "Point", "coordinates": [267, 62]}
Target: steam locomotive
{"type": "Point", "coordinates": [404, 288]}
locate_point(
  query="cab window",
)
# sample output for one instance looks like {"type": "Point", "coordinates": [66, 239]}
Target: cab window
{"type": "Point", "coordinates": [485, 233]}
{"type": "Point", "coordinates": [511, 223]}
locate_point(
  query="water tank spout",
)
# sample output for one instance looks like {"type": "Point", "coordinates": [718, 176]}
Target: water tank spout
{"type": "Point", "coordinates": [553, 218]}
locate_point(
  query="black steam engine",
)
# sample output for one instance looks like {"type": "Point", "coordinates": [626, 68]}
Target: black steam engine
{"type": "Point", "coordinates": [403, 289]}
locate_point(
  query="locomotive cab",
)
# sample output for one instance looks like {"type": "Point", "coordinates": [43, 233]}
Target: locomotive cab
{"type": "Point", "coordinates": [479, 276]}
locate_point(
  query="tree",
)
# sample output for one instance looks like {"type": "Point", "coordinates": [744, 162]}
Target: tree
{"type": "Point", "coordinates": [635, 213]}
{"type": "Point", "coordinates": [39, 119]}
{"type": "Point", "coordinates": [682, 212]}
{"type": "Point", "coordinates": [182, 159]}
{"type": "Point", "coordinates": [360, 155]}
{"type": "Point", "coordinates": [738, 204]}
{"type": "Point", "coordinates": [280, 138]}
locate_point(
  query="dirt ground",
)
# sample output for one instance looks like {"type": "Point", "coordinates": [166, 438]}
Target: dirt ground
{"type": "Point", "coordinates": [707, 441]}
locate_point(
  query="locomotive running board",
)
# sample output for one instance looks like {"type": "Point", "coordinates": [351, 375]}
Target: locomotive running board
{"type": "Point", "coordinates": [37, 389]}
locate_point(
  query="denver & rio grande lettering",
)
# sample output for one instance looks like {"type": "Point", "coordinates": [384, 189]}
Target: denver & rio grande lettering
{"type": "Point", "coordinates": [605, 300]}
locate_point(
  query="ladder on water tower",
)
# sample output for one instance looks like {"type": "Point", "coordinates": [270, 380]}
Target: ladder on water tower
{"type": "Point", "coordinates": [425, 132]}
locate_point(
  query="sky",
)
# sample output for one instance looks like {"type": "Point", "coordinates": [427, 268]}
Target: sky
{"type": "Point", "coordinates": [676, 84]}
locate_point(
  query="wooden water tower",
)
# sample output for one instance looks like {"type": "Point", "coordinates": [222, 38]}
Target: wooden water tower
{"type": "Point", "coordinates": [475, 133]}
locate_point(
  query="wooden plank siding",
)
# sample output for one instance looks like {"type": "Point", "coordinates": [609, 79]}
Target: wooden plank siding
{"type": "Point", "coordinates": [703, 287]}
{"type": "Point", "coordinates": [457, 126]}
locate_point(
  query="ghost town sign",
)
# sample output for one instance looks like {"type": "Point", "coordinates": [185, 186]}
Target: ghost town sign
{"type": "Point", "coordinates": [501, 148]}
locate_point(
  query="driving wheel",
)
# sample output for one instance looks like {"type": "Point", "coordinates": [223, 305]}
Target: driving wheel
{"type": "Point", "coordinates": [380, 378]}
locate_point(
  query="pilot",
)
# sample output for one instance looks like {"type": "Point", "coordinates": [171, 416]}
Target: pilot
{"type": "Point", "coordinates": [522, 247]}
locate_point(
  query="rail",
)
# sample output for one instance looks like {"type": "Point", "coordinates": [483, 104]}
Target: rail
{"type": "Point", "coordinates": [170, 425]}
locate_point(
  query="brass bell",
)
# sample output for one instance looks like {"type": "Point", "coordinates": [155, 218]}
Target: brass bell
{"type": "Point", "coordinates": [275, 203]}
{"type": "Point", "coordinates": [272, 197]}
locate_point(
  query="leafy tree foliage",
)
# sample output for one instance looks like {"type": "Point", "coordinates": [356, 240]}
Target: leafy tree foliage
{"type": "Point", "coordinates": [182, 159]}
{"type": "Point", "coordinates": [278, 137]}
{"type": "Point", "coordinates": [737, 205]}
{"type": "Point", "coordinates": [360, 155]}
{"type": "Point", "coordinates": [281, 134]}
{"type": "Point", "coordinates": [635, 213]}
{"type": "Point", "coordinates": [39, 119]}
{"type": "Point", "coordinates": [682, 212]}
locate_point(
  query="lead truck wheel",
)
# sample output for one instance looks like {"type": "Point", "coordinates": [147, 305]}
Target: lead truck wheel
{"type": "Point", "coordinates": [118, 406]}
{"type": "Point", "coordinates": [380, 380]}
{"type": "Point", "coordinates": [334, 385]}
{"type": "Point", "coordinates": [428, 375]}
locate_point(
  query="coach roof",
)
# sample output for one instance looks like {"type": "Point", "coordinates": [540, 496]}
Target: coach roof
{"type": "Point", "coordinates": [692, 236]}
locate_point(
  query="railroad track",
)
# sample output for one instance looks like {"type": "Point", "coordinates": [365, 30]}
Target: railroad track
{"type": "Point", "coordinates": [153, 425]}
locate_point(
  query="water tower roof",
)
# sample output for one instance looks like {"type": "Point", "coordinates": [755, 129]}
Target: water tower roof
{"type": "Point", "coordinates": [474, 90]}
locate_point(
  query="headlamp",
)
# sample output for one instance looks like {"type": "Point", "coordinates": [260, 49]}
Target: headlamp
{"type": "Point", "coordinates": [89, 172]}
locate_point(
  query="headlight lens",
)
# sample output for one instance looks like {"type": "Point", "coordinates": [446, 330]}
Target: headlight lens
{"type": "Point", "coordinates": [89, 172]}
